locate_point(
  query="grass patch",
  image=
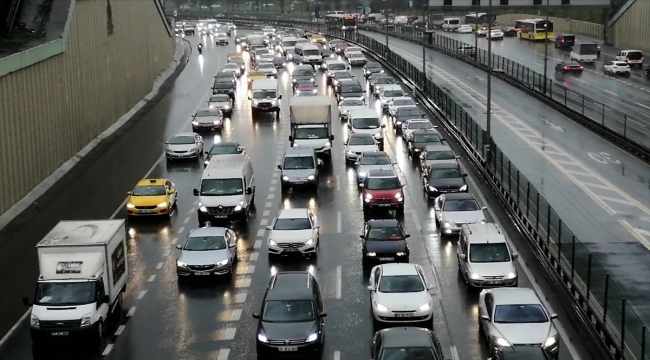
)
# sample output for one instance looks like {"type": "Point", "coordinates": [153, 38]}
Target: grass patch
{"type": "Point", "coordinates": [17, 38]}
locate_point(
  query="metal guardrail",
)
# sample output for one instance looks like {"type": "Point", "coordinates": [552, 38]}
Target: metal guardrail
{"type": "Point", "coordinates": [593, 296]}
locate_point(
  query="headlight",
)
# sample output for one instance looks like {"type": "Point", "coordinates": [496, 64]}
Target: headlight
{"type": "Point", "coordinates": [238, 208]}
{"type": "Point", "coordinates": [501, 342]}
{"type": "Point", "coordinates": [312, 337]}
{"type": "Point", "coordinates": [285, 178]}
{"type": "Point", "coordinates": [309, 242]}
{"type": "Point", "coordinates": [431, 188]}
{"type": "Point", "coordinates": [463, 188]}
{"type": "Point", "coordinates": [362, 174]}
{"type": "Point", "coordinates": [446, 224]}
{"type": "Point", "coordinates": [511, 275]}
{"type": "Point", "coordinates": [328, 144]}
{"type": "Point", "coordinates": [424, 307]}
{"type": "Point", "coordinates": [226, 107]}
{"type": "Point", "coordinates": [550, 341]}
{"type": "Point", "coordinates": [181, 264]}
{"type": "Point", "coordinates": [381, 308]}
{"type": "Point", "coordinates": [34, 321]}
{"type": "Point", "coordinates": [203, 209]}
{"type": "Point", "coordinates": [311, 177]}
{"type": "Point", "coordinates": [314, 91]}
{"type": "Point", "coordinates": [350, 152]}
{"type": "Point", "coordinates": [262, 338]}
{"type": "Point", "coordinates": [371, 254]}
{"type": "Point", "coordinates": [130, 206]}
{"type": "Point", "coordinates": [162, 204]}
{"type": "Point", "coordinates": [398, 195]}
{"type": "Point", "coordinates": [482, 221]}
{"type": "Point", "coordinates": [272, 243]}
{"type": "Point", "coordinates": [275, 71]}
{"type": "Point", "coordinates": [368, 196]}
{"type": "Point", "coordinates": [400, 253]}
{"type": "Point", "coordinates": [475, 276]}
{"type": "Point", "coordinates": [85, 320]}
{"type": "Point", "coordinates": [381, 71]}
{"type": "Point", "coordinates": [221, 263]}
{"type": "Point", "coordinates": [195, 122]}
{"type": "Point", "coordinates": [378, 135]}
{"type": "Point", "coordinates": [312, 79]}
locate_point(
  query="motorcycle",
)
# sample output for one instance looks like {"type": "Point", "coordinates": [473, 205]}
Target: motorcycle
{"type": "Point", "coordinates": [200, 48]}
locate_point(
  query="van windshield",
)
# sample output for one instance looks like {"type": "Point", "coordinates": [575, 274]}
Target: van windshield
{"type": "Point", "coordinates": [588, 49]}
{"type": "Point", "coordinates": [221, 187]}
{"type": "Point", "coordinates": [337, 66]}
{"type": "Point", "coordinates": [311, 52]}
{"type": "Point", "coordinates": [298, 163]}
{"type": "Point", "coordinates": [486, 253]}
{"type": "Point", "coordinates": [264, 94]}
{"type": "Point", "coordinates": [366, 123]}
{"type": "Point", "coordinates": [289, 43]}
{"type": "Point", "coordinates": [65, 293]}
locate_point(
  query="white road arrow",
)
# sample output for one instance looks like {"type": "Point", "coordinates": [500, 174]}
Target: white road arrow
{"type": "Point", "coordinates": [553, 126]}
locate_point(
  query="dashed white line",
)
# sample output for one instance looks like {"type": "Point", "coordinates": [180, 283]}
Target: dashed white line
{"type": "Point", "coordinates": [260, 232]}
{"type": "Point", "coordinates": [258, 244]}
{"type": "Point", "coordinates": [264, 222]}
{"type": "Point", "coordinates": [266, 213]}
{"type": "Point", "coordinates": [181, 229]}
{"type": "Point", "coordinates": [131, 312]}
{"type": "Point", "coordinates": [228, 334]}
{"type": "Point", "coordinates": [243, 283]}
{"type": "Point", "coordinates": [268, 204]}
{"type": "Point", "coordinates": [270, 196]}
{"type": "Point", "coordinates": [107, 350]}
{"type": "Point", "coordinates": [241, 297]}
{"type": "Point", "coordinates": [152, 278]}
{"type": "Point", "coordinates": [186, 220]}
{"type": "Point", "coordinates": [271, 188]}
{"type": "Point", "coordinates": [339, 222]}
{"type": "Point", "coordinates": [192, 210]}
{"type": "Point", "coordinates": [454, 353]}
{"type": "Point", "coordinates": [160, 265]}
{"type": "Point", "coordinates": [254, 256]}
{"type": "Point", "coordinates": [166, 253]}
{"type": "Point", "coordinates": [338, 183]}
{"type": "Point", "coordinates": [235, 315]}
{"type": "Point", "coordinates": [642, 105]}
{"type": "Point", "coordinates": [141, 294]}
{"type": "Point", "coordinates": [249, 269]}
{"type": "Point", "coordinates": [223, 354]}
{"type": "Point", "coordinates": [339, 274]}
{"type": "Point", "coordinates": [337, 355]}
{"type": "Point", "coordinates": [274, 181]}
{"type": "Point", "coordinates": [610, 92]}
{"type": "Point", "coordinates": [119, 330]}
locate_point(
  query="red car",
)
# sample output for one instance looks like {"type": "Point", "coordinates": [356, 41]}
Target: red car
{"type": "Point", "coordinates": [382, 190]}
{"type": "Point", "coordinates": [340, 48]}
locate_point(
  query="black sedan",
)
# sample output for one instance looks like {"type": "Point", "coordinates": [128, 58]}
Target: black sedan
{"type": "Point", "coordinates": [406, 343]}
{"type": "Point", "coordinates": [420, 140]}
{"type": "Point", "coordinates": [338, 76]}
{"type": "Point", "coordinates": [377, 80]}
{"type": "Point", "coordinates": [509, 31]}
{"type": "Point", "coordinates": [326, 53]}
{"type": "Point", "coordinates": [569, 66]}
{"type": "Point", "coordinates": [226, 75]}
{"type": "Point", "coordinates": [350, 91]}
{"type": "Point", "coordinates": [384, 240]}
{"type": "Point", "coordinates": [406, 113]}
{"type": "Point", "coordinates": [372, 68]}
{"type": "Point", "coordinates": [223, 148]}
{"type": "Point", "coordinates": [279, 61]}
{"type": "Point", "coordinates": [224, 87]}
{"type": "Point", "coordinates": [444, 178]}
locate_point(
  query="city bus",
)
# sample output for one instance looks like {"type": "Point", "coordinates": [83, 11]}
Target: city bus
{"type": "Point", "coordinates": [477, 20]}
{"type": "Point", "coordinates": [341, 21]}
{"type": "Point", "coordinates": [535, 29]}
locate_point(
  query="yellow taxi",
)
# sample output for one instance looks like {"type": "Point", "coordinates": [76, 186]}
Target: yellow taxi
{"type": "Point", "coordinates": [318, 39]}
{"type": "Point", "coordinates": [255, 75]}
{"type": "Point", "coordinates": [152, 197]}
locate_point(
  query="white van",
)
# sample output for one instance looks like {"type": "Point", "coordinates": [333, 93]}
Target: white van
{"type": "Point", "coordinates": [265, 96]}
{"type": "Point", "coordinates": [632, 57]}
{"type": "Point", "coordinates": [308, 54]}
{"type": "Point", "coordinates": [451, 24]}
{"type": "Point", "coordinates": [366, 121]}
{"type": "Point", "coordinates": [288, 43]}
{"type": "Point", "coordinates": [227, 189]}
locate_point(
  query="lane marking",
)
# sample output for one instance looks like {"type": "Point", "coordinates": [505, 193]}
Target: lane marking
{"type": "Point", "coordinates": [254, 256]}
{"type": "Point", "coordinates": [266, 213]}
{"type": "Point", "coordinates": [131, 312]}
{"type": "Point", "coordinates": [264, 222]}
{"type": "Point", "coordinates": [274, 181]}
{"type": "Point", "coordinates": [174, 240]}
{"type": "Point", "coordinates": [186, 220]}
{"type": "Point", "coordinates": [338, 183]}
{"type": "Point", "coordinates": [146, 175]}
{"type": "Point", "coordinates": [181, 229]}
{"type": "Point", "coordinates": [454, 353]}
{"type": "Point", "coordinates": [167, 253]}
{"type": "Point", "coordinates": [258, 244]}
{"type": "Point", "coordinates": [119, 330]}
{"type": "Point", "coordinates": [15, 327]}
{"type": "Point", "coordinates": [610, 92]}
{"type": "Point", "coordinates": [249, 269]}
{"type": "Point", "coordinates": [243, 283]}
{"type": "Point", "coordinates": [235, 315]}
{"type": "Point", "coordinates": [268, 204]}
{"type": "Point", "coordinates": [152, 278]}
{"type": "Point", "coordinates": [645, 106]}
{"type": "Point", "coordinates": [223, 354]}
{"type": "Point", "coordinates": [418, 225]}
{"type": "Point", "coordinates": [339, 275]}
{"type": "Point", "coordinates": [107, 350]}
{"type": "Point", "coordinates": [337, 355]}
{"type": "Point", "coordinates": [192, 210]}
{"type": "Point", "coordinates": [159, 265]}
{"type": "Point", "coordinates": [141, 294]}
{"type": "Point", "coordinates": [339, 224]}
{"type": "Point", "coordinates": [228, 334]}
{"type": "Point", "coordinates": [271, 188]}
{"type": "Point", "coordinates": [270, 197]}
{"type": "Point", "coordinates": [241, 297]}
{"type": "Point", "coordinates": [260, 232]}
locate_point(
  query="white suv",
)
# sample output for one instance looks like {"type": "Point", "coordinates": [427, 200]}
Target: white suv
{"type": "Point", "coordinates": [617, 67]}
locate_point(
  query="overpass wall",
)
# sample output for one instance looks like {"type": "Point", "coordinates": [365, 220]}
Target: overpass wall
{"type": "Point", "coordinates": [560, 25]}
{"type": "Point", "coordinates": [53, 108]}
{"type": "Point", "coordinates": [632, 28]}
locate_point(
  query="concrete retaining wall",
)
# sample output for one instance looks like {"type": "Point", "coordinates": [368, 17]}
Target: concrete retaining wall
{"type": "Point", "coordinates": [632, 28]}
{"type": "Point", "coordinates": [52, 108]}
{"type": "Point", "coordinates": [560, 25]}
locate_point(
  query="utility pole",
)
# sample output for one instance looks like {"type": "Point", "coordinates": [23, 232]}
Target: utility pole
{"type": "Point", "coordinates": [425, 33]}
{"type": "Point", "coordinates": [546, 46]}
{"type": "Point", "coordinates": [476, 27]}
{"type": "Point", "coordinates": [488, 130]}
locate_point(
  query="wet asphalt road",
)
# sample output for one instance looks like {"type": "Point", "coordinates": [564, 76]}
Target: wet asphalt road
{"type": "Point", "coordinates": [600, 192]}
{"type": "Point", "coordinates": [213, 320]}
{"type": "Point", "coordinates": [629, 95]}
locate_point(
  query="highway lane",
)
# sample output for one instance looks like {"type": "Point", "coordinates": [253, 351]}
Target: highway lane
{"type": "Point", "coordinates": [598, 190]}
{"type": "Point", "coordinates": [208, 321]}
{"type": "Point", "coordinates": [629, 95]}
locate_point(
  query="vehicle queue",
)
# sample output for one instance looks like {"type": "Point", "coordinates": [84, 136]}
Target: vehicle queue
{"type": "Point", "coordinates": [509, 317]}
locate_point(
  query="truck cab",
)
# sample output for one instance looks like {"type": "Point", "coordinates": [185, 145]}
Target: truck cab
{"type": "Point", "coordinates": [311, 124]}
{"type": "Point", "coordinates": [265, 96]}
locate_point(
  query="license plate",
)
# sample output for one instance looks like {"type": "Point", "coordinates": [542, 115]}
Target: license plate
{"type": "Point", "coordinates": [201, 273]}
{"type": "Point", "coordinates": [221, 216]}
{"type": "Point", "coordinates": [288, 348]}
{"type": "Point", "coordinates": [60, 333]}
{"type": "Point", "coordinates": [403, 315]}
{"type": "Point", "coordinates": [146, 211]}
{"type": "Point", "coordinates": [384, 205]}
{"type": "Point", "coordinates": [290, 250]}
{"type": "Point", "coordinates": [492, 282]}
{"type": "Point", "coordinates": [300, 183]}
{"type": "Point", "coordinates": [386, 259]}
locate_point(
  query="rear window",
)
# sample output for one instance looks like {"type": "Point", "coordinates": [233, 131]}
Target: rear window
{"type": "Point", "coordinates": [635, 55]}
{"type": "Point", "coordinates": [569, 38]}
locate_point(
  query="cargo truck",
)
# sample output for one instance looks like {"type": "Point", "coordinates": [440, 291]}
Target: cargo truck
{"type": "Point", "coordinates": [83, 272]}
{"type": "Point", "coordinates": [311, 124]}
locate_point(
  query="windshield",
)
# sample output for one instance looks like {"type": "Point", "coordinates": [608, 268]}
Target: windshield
{"type": "Point", "coordinates": [375, 160]}
{"type": "Point", "coordinates": [426, 138]}
{"type": "Point", "coordinates": [351, 88]}
{"type": "Point", "coordinates": [204, 113]}
{"type": "Point", "coordinates": [589, 49]}
{"type": "Point", "coordinates": [287, 311]}
{"type": "Point", "coordinates": [221, 187]}
{"type": "Point", "coordinates": [373, 66]}
{"type": "Point", "coordinates": [343, 75]}
{"type": "Point", "coordinates": [403, 102]}
{"type": "Point", "coordinates": [223, 85]}
{"type": "Point", "coordinates": [387, 233]}
{"type": "Point", "coordinates": [311, 133]}
{"type": "Point", "coordinates": [488, 253]}
{"type": "Point", "coordinates": [386, 80]}
{"type": "Point", "coordinates": [409, 112]}
{"type": "Point", "coordinates": [261, 51]}
{"type": "Point", "coordinates": [420, 125]}
{"type": "Point", "coordinates": [205, 243]}
{"type": "Point", "coordinates": [311, 52]}
{"type": "Point", "coordinates": [393, 93]}
{"type": "Point", "coordinates": [305, 83]}
{"type": "Point", "coordinates": [265, 66]}
{"type": "Point", "coordinates": [461, 205]}
{"type": "Point", "coordinates": [336, 66]}
{"type": "Point", "coordinates": [400, 284]}
{"type": "Point", "coordinates": [289, 43]}
{"type": "Point", "coordinates": [298, 162]}
{"type": "Point", "coordinates": [223, 150]}
{"type": "Point", "coordinates": [182, 140]}
{"type": "Point", "coordinates": [345, 103]}
{"type": "Point", "coordinates": [361, 140]}
{"type": "Point", "coordinates": [220, 98]}
{"type": "Point", "coordinates": [447, 173]}
{"type": "Point", "coordinates": [149, 190]}
{"type": "Point", "coordinates": [520, 314]}
{"type": "Point", "coordinates": [441, 155]}
{"type": "Point", "coordinates": [365, 123]}
{"type": "Point", "coordinates": [302, 72]}
{"type": "Point", "coordinates": [387, 183]}
{"type": "Point", "coordinates": [307, 93]}
{"type": "Point", "coordinates": [292, 224]}
{"type": "Point", "coordinates": [264, 94]}
{"type": "Point", "coordinates": [410, 353]}
{"type": "Point", "coordinates": [65, 293]}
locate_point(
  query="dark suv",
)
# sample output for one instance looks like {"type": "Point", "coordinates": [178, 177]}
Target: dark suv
{"type": "Point", "coordinates": [291, 319]}
{"type": "Point", "coordinates": [565, 41]}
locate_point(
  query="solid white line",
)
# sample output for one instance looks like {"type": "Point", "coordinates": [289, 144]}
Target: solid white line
{"type": "Point", "coordinates": [167, 253]}
{"type": "Point", "coordinates": [119, 330]}
{"type": "Point", "coordinates": [107, 350]}
{"type": "Point", "coordinates": [223, 354]}
{"type": "Point", "coordinates": [258, 244]}
{"type": "Point", "coordinates": [454, 353]}
{"type": "Point", "coordinates": [181, 229]}
{"type": "Point", "coordinates": [339, 222]}
{"type": "Point", "coordinates": [186, 220]}
{"type": "Point", "coordinates": [610, 92]}
{"type": "Point", "coordinates": [254, 256]}
{"type": "Point", "coordinates": [13, 328]}
{"type": "Point", "coordinates": [229, 334]}
{"type": "Point", "coordinates": [131, 312]}
{"type": "Point", "coordinates": [338, 183]}
{"type": "Point", "coordinates": [339, 274]}
{"type": "Point", "coordinates": [266, 213]}
{"type": "Point", "coordinates": [159, 265]}
{"type": "Point", "coordinates": [241, 297]}
{"type": "Point", "coordinates": [243, 283]}
{"type": "Point", "coordinates": [268, 204]}
{"type": "Point", "coordinates": [642, 105]}
{"type": "Point", "coordinates": [142, 294]}
{"type": "Point", "coordinates": [337, 355]}
{"type": "Point", "coordinates": [264, 222]}
{"type": "Point", "coordinates": [235, 315]}
{"type": "Point", "coordinates": [152, 278]}
{"type": "Point", "coordinates": [261, 232]}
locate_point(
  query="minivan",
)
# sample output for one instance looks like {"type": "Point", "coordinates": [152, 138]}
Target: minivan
{"type": "Point", "coordinates": [300, 167]}
{"type": "Point", "coordinates": [367, 121]}
{"type": "Point", "coordinates": [451, 24]}
{"type": "Point", "coordinates": [632, 57]}
{"type": "Point", "coordinates": [308, 54]}
{"type": "Point", "coordinates": [265, 96]}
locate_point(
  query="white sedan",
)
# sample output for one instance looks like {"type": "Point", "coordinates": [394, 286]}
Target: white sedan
{"type": "Point", "coordinates": [232, 68]}
{"type": "Point", "coordinates": [294, 231]}
{"type": "Point", "coordinates": [347, 106]}
{"type": "Point", "coordinates": [357, 59]}
{"type": "Point", "coordinates": [400, 294]}
{"type": "Point", "coordinates": [495, 34]}
{"type": "Point", "coordinates": [358, 144]}
{"type": "Point", "coordinates": [397, 103]}
{"type": "Point", "coordinates": [465, 29]}
{"type": "Point", "coordinates": [266, 58]}
{"type": "Point", "coordinates": [415, 124]}
{"type": "Point", "coordinates": [268, 69]}
{"type": "Point", "coordinates": [221, 39]}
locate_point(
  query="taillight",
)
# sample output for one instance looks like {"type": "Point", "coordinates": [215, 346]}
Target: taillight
{"type": "Point", "coordinates": [581, 68]}
{"type": "Point", "coordinates": [642, 58]}
{"type": "Point", "coordinates": [627, 58]}
{"type": "Point", "coordinates": [567, 68]}
{"type": "Point", "coordinates": [562, 40]}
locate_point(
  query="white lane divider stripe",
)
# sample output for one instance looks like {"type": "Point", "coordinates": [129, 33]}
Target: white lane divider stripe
{"type": "Point", "coordinates": [223, 354]}
{"type": "Point", "coordinates": [235, 315]}
{"type": "Point", "coordinates": [454, 353]}
{"type": "Point", "coordinates": [181, 229]}
{"type": "Point", "coordinates": [338, 183]}
{"type": "Point", "coordinates": [160, 265]}
{"type": "Point", "coordinates": [270, 197]}
{"type": "Point", "coordinates": [339, 274]}
{"type": "Point", "coordinates": [167, 252]}
{"type": "Point", "coordinates": [264, 222]}
{"type": "Point", "coordinates": [339, 222]}
{"type": "Point", "coordinates": [186, 220]}
{"type": "Point", "coordinates": [268, 204]}
{"type": "Point", "coordinates": [141, 294]}
{"type": "Point", "coordinates": [241, 297]}
{"type": "Point", "coordinates": [272, 188]}
{"type": "Point", "coordinates": [119, 330]}
{"type": "Point", "coordinates": [254, 256]}
{"type": "Point", "coordinates": [337, 355]}
{"type": "Point", "coordinates": [258, 244]}
{"type": "Point", "coordinates": [152, 278]}
{"type": "Point", "coordinates": [260, 232]}
{"type": "Point", "coordinates": [107, 350]}
{"type": "Point", "coordinates": [227, 334]}
{"type": "Point", "coordinates": [131, 312]}
{"type": "Point", "coordinates": [243, 283]}
{"type": "Point", "coordinates": [266, 213]}
{"type": "Point", "coordinates": [174, 241]}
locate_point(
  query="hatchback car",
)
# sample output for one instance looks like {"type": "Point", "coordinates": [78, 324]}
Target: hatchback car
{"type": "Point", "coordinates": [350, 91]}
{"type": "Point", "coordinates": [407, 343]}
{"type": "Point", "coordinates": [221, 39]}
{"type": "Point", "coordinates": [207, 119]}
{"type": "Point", "coordinates": [376, 81]}
{"type": "Point", "coordinates": [184, 146]}
{"type": "Point", "coordinates": [452, 211]}
{"type": "Point", "coordinates": [375, 160]}
{"type": "Point", "coordinates": [347, 106]}
{"type": "Point", "coordinates": [225, 148]}
{"type": "Point", "coordinates": [420, 139]}
{"type": "Point", "coordinates": [521, 352]}
{"type": "Point", "coordinates": [397, 103]}
{"type": "Point", "coordinates": [224, 86]}
{"type": "Point", "coordinates": [268, 69]}
{"type": "Point", "coordinates": [436, 154]}
{"type": "Point", "coordinates": [294, 232]}
{"type": "Point", "coordinates": [412, 125]}
{"type": "Point", "coordinates": [382, 189]}
{"type": "Point", "coordinates": [233, 68]}
{"type": "Point", "coordinates": [616, 68]}
{"type": "Point", "coordinates": [339, 76]}
{"type": "Point", "coordinates": [384, 241]}
{"type": "Point", "coordinates": [302, 72]}
{"type": "Point", "coordinates": [305, 86]}
{"type": "Point", "coordinates": [404, 114]}
{"type": "Point", "coordinates": [442, 179]}
{"type": "Point", "coordinates": [207, 251]}
{"type": "Point", "coordinates": [565, 41]}
{"type": "Point", "coordinates": [358, 144]}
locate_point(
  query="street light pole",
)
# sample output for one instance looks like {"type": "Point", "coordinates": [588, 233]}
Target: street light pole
{"type": "Point", "coordinates": [546, 46]}
{"type": "Point", "coordinates": [488, 130]}
{"type": "Point", "coordinates": [424, 48]}
{"type": "Point", "coordinates": [476, 27]}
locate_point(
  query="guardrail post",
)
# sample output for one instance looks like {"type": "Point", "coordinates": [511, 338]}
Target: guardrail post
{"type": "Point", "coordinates": [573, 255]}
{"type": "Point", "coordinates": [623, 303]}
{"type": "Point", "coordinates": [527, 196]}
{"type": "Point", "coordinates": [625, 125]}
{"type": "Point", "coordinates": [643, 331]}
{"type": "Point", "coordinates": [550, 91]}
{"type": "Point", "coordinates": [548, 223]}
{"type": "Point", "coordinates": [583, 106]}
{"type": "Point", "coordinates": [537, 214]}
{"type": "Point", "coordinates": [565, 96]}
{"type": "Point", "coordinates": [518, 192]}
{"type": "Point", "coordinates": [606, 300]}
{"type": "Point", "coordinates": [588, 279]}
{"type": "Point", "coordinates": [559, 242]}
{"type": "Point", "coordinates": [509, 175]}
{"type": "Point", "coordinates": [500, 162]}
{"type": "Point", "coordinates": [603, 120]}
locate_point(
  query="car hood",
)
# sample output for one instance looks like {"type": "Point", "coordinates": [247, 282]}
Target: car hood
{"type": "Point", "coordinates": [298, 173]}
{"type": "Point", "coordinates": [352, 94]}
{"type": "Point", "coordinates": [219, 105]}
{"type": "Point", "coordinates": [366, 168]}
{"type": "Point", "coordinates": [361, 148]}
{"type": "Point", "coordinates": [397, 302]}
{"type": "Point", "coordinates": [287, 331]}
{"type": "Point", "coordinates": [206, 119]}
{"type": "Point", "coordinates": [351, 108]}
{"type": "Point", "coordinates": [302, 77]}
{"type": "Point", "coordinates": [385, 246]}
{"type": "Point", "coordinates": [203, 257]}
{"type": "Point", "coordinates": [501, 268]}
{"type": "Point", "coordinates": [215, 201]}
{"type": "Point", "coordinates": [291, 235]}
{"type": "Point", "coordinates": [382, 193]}
{"type": "Point", "coordinates": [421, 146]}
{"type": "Point", "coordinates": [395, 107]}
{"type": "Point", "coordinates": [447, 183]}
{"type": "Point", "coordinates": [463, 217]}
{"type": "Point", "coordinates": [181, 147]}
{"type": "Point", "coordinates": [535, 333]}
{"type": "Point", "coordinates": [432, 162]}
{"type": "Point", "coordinates": [147, 200]}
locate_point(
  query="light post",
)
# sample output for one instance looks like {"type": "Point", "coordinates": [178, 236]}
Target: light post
{"type": "Point", "coordinates": [425, 34]}
{"type": "Point", "coordinates": [488, 130]}
{"type": "Point", "coordinates": [546, 47]}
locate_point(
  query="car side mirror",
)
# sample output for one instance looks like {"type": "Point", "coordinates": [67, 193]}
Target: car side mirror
{"type": "Point", "coordinates": [256, 315]}
{"type": "Point", "coordinates": [465, 175]}
{"type": "Point", "coordinates": [484, 208]}
{"type": "Point", "coordinates": [249, 190]}
{"type": "Point", "coordinates": [362, 236]}
{"type": "Point", "coordinates": [320, 163]}
{"type": "Point", "coordinates": [553, 316]}
{"type": "Point", "coordinates": [362, 185]}
{"type": "Point", "coordinates": [383, 125]}
{"type": "Point", "coordinates": [462, 257]}
{"type": "Point", "coordinates": [129, 192]}
{"type": "Point", "coordinates": [279, 167]}
{"type": "Point", "coordinates": [290, 138]}
{"type": "Point", "coordinates": [280, 97]}
{"type": "Point", "coordinates": [371, 288]}
{"type": "Point", "coordinates": [179, 246]}
{"type": "Point", "coordinates": [485, 317]}
{"type": "Point", "coordinates": [167, 142]}
{"type": "Point", "coordinates": [407, 236]}
{"type": "Point", "coordinates": [196, 192]}
{"type": "Point", "coordinates": [206, 153]}
{"type": "Point", "coordinates": [430, 287]}
{"type": "Point", "coordinates": [26, 301]}
{"type": "Point", "coordinates": [345, 143]}
{"type": "Point", "coordinates": [269, 227]}
{"type": "Point", "coordinates": [331, 137]}
{"type": "Point", "coordinates": [106, 299]}
{"type": "Point", "coordinates": [249, 98]}
{"type": "Point", "coordinates": [515, 256]}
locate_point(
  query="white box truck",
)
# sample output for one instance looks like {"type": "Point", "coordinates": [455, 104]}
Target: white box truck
{"type": "Point", "coordinates": [310, 124]}
{"type": "Point", "coordinates": [83, 272]}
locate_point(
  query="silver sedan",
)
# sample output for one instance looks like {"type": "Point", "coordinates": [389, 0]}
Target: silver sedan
{"type": "Point", "coordinates": [187, 145]}
{"type": "Point", "coordinates": [207, 251]}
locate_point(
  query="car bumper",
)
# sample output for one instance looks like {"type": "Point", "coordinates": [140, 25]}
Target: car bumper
{"type": "Point", "coordinates": [385, 258]}
{"type": "Point", "coordinates": [304, 250]}
{"type": "Point", "coordinates": [88, 332]}
{"type": "Point", "coordinates": [384, 206]}
{"type": "Point", "coordinates": [148, 212]}
{"type": "Point", "coordinates": [352, 157]}
{"type": "Point", "coordinates": [218, 42]}
{"type": "Point", "coordinates": [435, 194]}
{"type": "Point", "coordinates": [309, 350]}
{"type": "Point", "coordinates": [298, 182]}
{"type": "Point", "coordinates": [266, 108]}
{"type": "Point", "coordinates": [181, 156]}
{"type": "Point", "coordinates": [233, 216]}
{"type": "Point", "coordinates": [392, 318]}
{"type": "Point", "coordinates": [206, 126]}
{"type": "Point", "coordinates": [483, 283]}
{"type": "Point", "coordinates": [215, 271]}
